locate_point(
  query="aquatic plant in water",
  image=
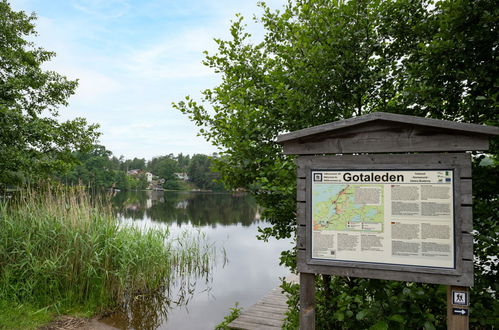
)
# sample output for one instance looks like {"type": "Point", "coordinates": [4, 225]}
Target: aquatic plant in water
{"type": "Point", "coordinates": [61, 252]}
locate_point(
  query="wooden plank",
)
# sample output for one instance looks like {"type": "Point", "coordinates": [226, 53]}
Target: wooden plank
{"type": "Point", "coordinates": [305, 258]}
{"type": "Point", "coordinates": [466, 192]}
{"type": "Point", "coordinates": [466, 219]}
{"type": "Point", "coordinates": [268, 309]}
{"type": "Point", "coordinates": [301, 237]}
{"type": "Point", "coordinates": [467, 269]}
{"type": "Point", "coordinates": [299, 174]}
{"type": "Point", "coordinates": [307, 301]}
{"type": "Point", "coordinates": [244, 325]}
{"type": "Point", "coordinates": [464, 279]}
{"type": "Point", "coordinates": [260, 320]}
{"type": "Point", "coordinates": [266, 314]}
{"type": "Point", "coordinates": [371, 118]}
{"type": "Point", "coordinates": [271, 303]}
{"type": "Point", "coordinates": [467, 245]}
{"type": "Point", "coordinates": [300, 213]}
{"type": "Point", "coordinates": [389, 141]}
{"type": "Point", "coordinates": [300, 190]}
{"type": "Point", "coordinates": [274, 296]}
{"type": "Point", "coordinates": [278, 301]}
{"type": "Point", "coordinates": [277, 311]}
{"type": "Point", "coordinates": [457, 233]}
{"type": "Point", "coordinates": [458, 160]}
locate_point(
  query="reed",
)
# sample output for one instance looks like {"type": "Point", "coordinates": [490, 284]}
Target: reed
{"type": "Point", "coordinates": [61, 251]}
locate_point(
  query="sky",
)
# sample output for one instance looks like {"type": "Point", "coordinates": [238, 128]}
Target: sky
{"type": "Point", "coordinates": [133, 59]}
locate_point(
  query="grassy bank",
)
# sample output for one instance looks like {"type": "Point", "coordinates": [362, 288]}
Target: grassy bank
{"type": "Point", "coordinates": [60, 253]}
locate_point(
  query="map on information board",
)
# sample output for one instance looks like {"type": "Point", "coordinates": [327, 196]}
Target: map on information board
{"type": "Point", "coordinates": [348, 207]}
{"type": "Point", "coordinates": [393, 217]}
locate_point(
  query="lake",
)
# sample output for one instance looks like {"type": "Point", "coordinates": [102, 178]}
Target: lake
{"type": "Point", "coordinates": [244, 273]}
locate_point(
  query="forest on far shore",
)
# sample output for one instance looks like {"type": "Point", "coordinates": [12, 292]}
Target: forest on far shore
{"type": "Point", "coordinates": [99, 169]}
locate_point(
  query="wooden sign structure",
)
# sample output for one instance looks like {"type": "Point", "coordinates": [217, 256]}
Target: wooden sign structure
{"type": "Point", "coordinates": [386, 196]}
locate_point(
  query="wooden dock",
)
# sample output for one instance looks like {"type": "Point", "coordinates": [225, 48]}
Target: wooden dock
{"type": "Point", "coordinates": [267, 314]}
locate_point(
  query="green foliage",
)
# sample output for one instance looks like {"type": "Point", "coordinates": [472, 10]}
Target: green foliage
{"type": "Point", "coordinates": [183, 162]}
{"type": "Point", "coordinates": [33, 143]}
{"type": "Point", "coordinates": [61, 253]}
{"type": "Point", "coordinates": [97, 170]}
{"type": "Point", "coordinates": [198, 168]}
{"type": "Point", "coordinates": [201, 174]}
{"type": "Point", "coordinates": [164, 167]}
{"type": "Point", "coordinates": [342, 304]}
{"type": "Point", "coordinates": [172, 184]}
{"type": "Point", "coordinates": [484, 308]}
{"type": "Point", "coordinates": [292, 291]}
{"type": "Point", "coordinates": [133, 164]}
{"type": "Point", "coordinates": [234, 314]}
{"type": "Point", "coordinates": [322, 61]}
{"type": "Point", "coordinates": [94, 169]}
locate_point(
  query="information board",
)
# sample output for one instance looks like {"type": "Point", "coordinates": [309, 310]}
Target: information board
{"type": "Point", "coordinates": [402, 217]}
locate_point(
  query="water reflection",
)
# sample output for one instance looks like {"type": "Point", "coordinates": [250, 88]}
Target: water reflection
{"type": "Point", "coordinates": [247, 271]}
{"type": "Point", "coordinates": [198, 209]}
{"type": "Point", "coordinates": [146, 312]}
{"type": "Point", "coordinates": [149, 311]}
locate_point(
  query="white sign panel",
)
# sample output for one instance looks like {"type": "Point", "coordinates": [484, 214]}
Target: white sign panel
{"type": "Point", "coordinates": [403, 217]}
{"type": "Point", "coordinates": [460, 298]}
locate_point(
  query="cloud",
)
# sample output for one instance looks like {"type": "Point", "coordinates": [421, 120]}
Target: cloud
{"type": "Point", "coordinates": [179, 53]}
{"type": "Point", "coordinates": [178, 56]}
{"type": "Point", "coordinates": [94, 84]}
{"type": "Point", "coordinates": [103, 9]}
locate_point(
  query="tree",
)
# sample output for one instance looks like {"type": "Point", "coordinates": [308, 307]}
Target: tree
{"type": "Point", "coordinates": [94, 169]}
{"type": "Point", "coordinates": [165, 167]}
{"type": "Point", "coordinates": [33, 143]}
{"type": "Point", "coordinates": [201, 174]}
{"type": "Point", "coordinates": [183, 162]}
{"type": "Point", "coordinates": [133, 164]}
{"type": "Point", "coordinates": [321, 61]}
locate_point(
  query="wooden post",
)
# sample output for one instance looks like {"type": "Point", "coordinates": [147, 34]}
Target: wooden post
{"type": "Point", "coordinates": [307, 301]}
{"type": "Point", "coordinates": [457, 308]}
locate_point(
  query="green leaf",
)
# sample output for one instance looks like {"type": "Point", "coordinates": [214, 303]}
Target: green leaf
{"type": "Point", "coordinates": [397, 318]}
{"type": "Point", "coordinates": [429, 326]}
{"type": "Point", "coordinates": [339, 316]}
{"type": "Point", "coordinates": [361, 315]}
{"type": "Point", "coordinates": [381, 325]}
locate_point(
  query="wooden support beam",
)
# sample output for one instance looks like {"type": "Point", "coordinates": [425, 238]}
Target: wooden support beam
{"type": "Point", "coordinates": [307, 301]}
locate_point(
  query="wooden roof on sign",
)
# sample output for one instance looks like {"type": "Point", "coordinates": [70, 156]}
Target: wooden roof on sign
{"type": "Point", "coordinates": [388, 132]}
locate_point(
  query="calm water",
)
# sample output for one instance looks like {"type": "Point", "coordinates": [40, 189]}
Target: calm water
{"type": "Point", "coordinates": [245, 274]}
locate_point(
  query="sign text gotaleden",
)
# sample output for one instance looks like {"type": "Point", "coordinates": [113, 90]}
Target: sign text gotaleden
{"type": "Point", "coordinates": [402, 217]}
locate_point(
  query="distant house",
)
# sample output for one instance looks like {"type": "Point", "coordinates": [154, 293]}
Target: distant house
{"type": "Point", "coordinates": [134, 172]}
{"type": "Point", "coordinates": [138, 172]}
{"type": "Point", "coordinates": [182, 176]}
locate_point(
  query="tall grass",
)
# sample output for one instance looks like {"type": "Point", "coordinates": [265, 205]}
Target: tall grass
{"type": "Point", "coordinates": [60, 251]}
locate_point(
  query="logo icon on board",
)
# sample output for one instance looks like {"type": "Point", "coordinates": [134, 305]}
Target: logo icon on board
{"type": "Point", "coordinates": [317, 177]}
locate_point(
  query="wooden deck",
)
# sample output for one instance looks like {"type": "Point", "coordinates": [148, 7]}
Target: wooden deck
{"type": "Point", "coordinates": [267, 314]}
